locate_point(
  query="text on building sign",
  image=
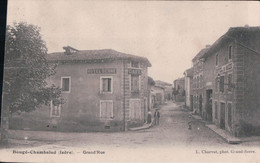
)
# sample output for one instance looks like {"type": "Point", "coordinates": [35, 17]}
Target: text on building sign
{"type": "Point", "coordinates": [224, 68]}
{"type": "Point", "coordinates": [102, 71]}
{"type": "Point", "coordinates": [134, 71]}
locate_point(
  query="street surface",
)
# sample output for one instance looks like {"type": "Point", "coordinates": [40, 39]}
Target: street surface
{"type": "Point", "coordinates": [172, 132]}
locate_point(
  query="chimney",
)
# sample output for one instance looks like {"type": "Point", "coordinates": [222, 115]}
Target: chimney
{"type": "Point", "coordinates": [247, 26]}
{"type": "Point", "coordinates": [69, 50]}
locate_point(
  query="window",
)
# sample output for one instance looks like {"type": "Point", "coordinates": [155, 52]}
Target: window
{"type": "Point", "coordinates": [216, 59]}
{"type": "Point", "coordinates": [216, 110]}
{"type": "Point", "coordinates": [106, 109]}
{"type": "Point", "coordinates": [134, 83]}
{"type": "Point", "coordinates": [55, 110]}
{"type": "Point", "coordinates": [134, 109]}
{"type": "Point", "coordinates": [229, 52]}
{"type": "Point", "coordinates": [106, 85]}
{"type": "Point", "coordinates": [229, 114]}
{"type": "Point", "coordinates": [134, 64]}
{"type": "Point", "coordinates": [221, 84]}
{"type": "Point", "coordinates": [216, 84]}
{"type": "Point", "coordinates": [200, 81]}
{"type": "Point", "coordinates": [229, 82]}
{"type": "Point", "coordinates": [65, 84]}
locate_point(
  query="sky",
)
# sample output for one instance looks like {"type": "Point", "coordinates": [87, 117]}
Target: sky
{"type": "Point", "coordinates": [168, 33]}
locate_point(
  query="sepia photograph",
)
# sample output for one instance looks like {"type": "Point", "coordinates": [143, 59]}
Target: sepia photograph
{"type": "Point", "coordinates": [131, 81]}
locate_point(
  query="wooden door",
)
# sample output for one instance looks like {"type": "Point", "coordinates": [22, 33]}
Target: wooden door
{"type": "Point", "coordinates": [222, 115]}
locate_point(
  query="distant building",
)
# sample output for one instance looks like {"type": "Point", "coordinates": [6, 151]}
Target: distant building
{"type": "Point", "coordinates": [157, 93]}
{"type": "Point", "coordinates": [198, 89]}
{"type": "Point", "coordinates": [151, 98]}
{"type": "Point", "coordinates": [179, 90]}
{"type": "Point", "coordinates": [231, 80]}
{"type": "Point", "coordinates": [167, 89]}
{"type": "Point", "coordinates": [103, 90]}
{"type": "Point", "coordinates": [188, 77]}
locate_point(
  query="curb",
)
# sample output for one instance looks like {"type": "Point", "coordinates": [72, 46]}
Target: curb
{"type": "Point", "coordinates": [222, 133]}
{"type": "Point", "coordinates": [147, 126]}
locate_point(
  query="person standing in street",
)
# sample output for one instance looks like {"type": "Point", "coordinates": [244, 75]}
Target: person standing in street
{"type": "Point", "coordinates": [156, 117]}
{"type": "Point", "coordinates": [149, 117]}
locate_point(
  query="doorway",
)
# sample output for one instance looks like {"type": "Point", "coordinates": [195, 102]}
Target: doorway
{"type": "Point", "coordinates": [222, 115]}
{"type": "Point", "coordinates": [200, 105]}
{"type": "Point", "coordinates": [191, 102]}
{"type": "Point", "coordinates": [145, 108]}
{"type": "Point", "coordinates": [209, 105]}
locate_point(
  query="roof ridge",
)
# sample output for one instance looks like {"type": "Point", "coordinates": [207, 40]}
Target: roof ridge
{"type": "Point", "coordinates": [95, 54]}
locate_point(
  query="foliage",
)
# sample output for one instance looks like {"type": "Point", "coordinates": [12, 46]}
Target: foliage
{"type": "Point", "coordinates": [26, 69]}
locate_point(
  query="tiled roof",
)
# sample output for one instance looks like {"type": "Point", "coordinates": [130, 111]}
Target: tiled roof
{"type": "Point", "coordinates": [189, 72]}
{"type": "Point", "coordinates": [201, 53]}
{"type": "Point", "coordinates": [94, 55]}
{"type": "Point", "coordinates": [249, 37]}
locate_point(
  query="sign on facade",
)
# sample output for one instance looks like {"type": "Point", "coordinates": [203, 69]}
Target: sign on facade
{"type": "Point", "coordinates": [102, 71]}
{"type": "Point", "coordinates": [224, 68]}
{"type": "Point", "coordinates": [134, 71]}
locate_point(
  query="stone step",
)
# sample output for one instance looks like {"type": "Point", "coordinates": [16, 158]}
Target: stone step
{"type": "Point", "coordinates": [224, 134]}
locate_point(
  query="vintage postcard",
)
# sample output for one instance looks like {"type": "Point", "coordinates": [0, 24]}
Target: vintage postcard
{"type": "Point", "coordinates": [131, 81]}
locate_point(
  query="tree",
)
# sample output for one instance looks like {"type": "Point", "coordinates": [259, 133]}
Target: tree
{"type": "Point", "coordinates": [26, 69]}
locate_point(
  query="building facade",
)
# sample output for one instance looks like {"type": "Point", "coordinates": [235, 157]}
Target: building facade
{"type": "Point", "coordinates": [231, 78]}
{"type": "Point", "coordinates": [188, 76]}
{"type": "Point", "coordinates": [103, 90]}
{"type": "Point", "coordinates": [198, 89]}
{"type": "Point", "coordinates": [179, 90]}
{"type": "Point", "coordinates": [167, 89]}
{"type": "Point", "coordinates": [157, 94]}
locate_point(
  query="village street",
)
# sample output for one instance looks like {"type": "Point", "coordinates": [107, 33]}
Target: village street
{"type": "Point", "coordinates": [173, 131]}
{"type": "Point", "coordinates": [172, 135]}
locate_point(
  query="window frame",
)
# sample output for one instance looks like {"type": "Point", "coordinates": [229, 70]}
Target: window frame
{"type": "Point", "coordinates": [229, 86]}
{"type": "Point", "coordinates": [66, 77]}
{"type": "Point", "coordinates": [230, 52]}
{"type": "Point", "coordinates": [101, 84]}
{"type": "Point", "coordinates": [139, 83]}
{"type": "Point", "coordinates": [139, 110]}
{"type": "Point", "coordinates": [100, 110]}
{"type": "Point", "coordinates": [216, 106]}
{"type": "Point", "coordinates": [222, 86]}
{"type": "Point", "coordinates": [201, 81]}
{"type": "Point", "coordinates": [229, 114]}
{"type": "Point", "coordinates": [216, 85]}
{"type": "Point", "coordinates": [138, 64]}
{"type": "Point", "coordinates": [59, 107]}
{"type": "Point", "coordinates": [217, 59]}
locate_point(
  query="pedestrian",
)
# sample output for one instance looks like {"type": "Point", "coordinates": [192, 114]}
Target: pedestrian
{"type": "Point", "coordinates": [149, 117]}
{"type": "Point", "coordinates": [156, 117]}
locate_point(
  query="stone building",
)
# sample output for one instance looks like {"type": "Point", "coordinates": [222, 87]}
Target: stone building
{"type": "Point", "coordinates": [157, 93]}
{"type": "Point", "coordinates": [102, 90]}
{"type": "Point", "coordinates": [179, 90]}
{"type": "Point", "coordinates": [198, 91]}
{"type": "Point", "coordinates": [167, 89]}
{"type": "Point", "coordinates": [232, 81]}
{"type": "Point", "coordinates": [188, 76]}
{"type": "Point", "coordinates": [151, 97]}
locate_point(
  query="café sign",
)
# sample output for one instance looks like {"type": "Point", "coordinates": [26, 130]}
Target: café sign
{"type": "Point", "coordinates": [134, 71]}
{"type": "Point", "coordinates": [102, 71]}
{"type": "Point", "coordinates": [225, 68]}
